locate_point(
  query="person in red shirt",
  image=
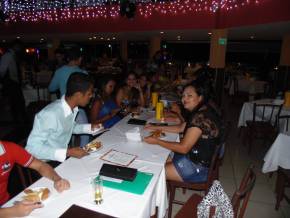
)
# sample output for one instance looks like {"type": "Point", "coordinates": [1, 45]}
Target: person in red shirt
{"type": "Point", "coordinates": [11, 153]}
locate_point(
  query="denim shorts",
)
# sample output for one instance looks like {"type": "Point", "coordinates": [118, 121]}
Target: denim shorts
{"type": "Point", "coordinates": [189, 171]}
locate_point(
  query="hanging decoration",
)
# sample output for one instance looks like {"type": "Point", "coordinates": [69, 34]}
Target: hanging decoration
{"type": "Point", "coordinates": [62, 10]}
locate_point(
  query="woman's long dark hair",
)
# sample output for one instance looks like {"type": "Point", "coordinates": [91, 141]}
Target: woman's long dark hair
{"type": "Point", "coordinates": [203, 89]}
{"type": "Point", "coordinates": [101, 85]}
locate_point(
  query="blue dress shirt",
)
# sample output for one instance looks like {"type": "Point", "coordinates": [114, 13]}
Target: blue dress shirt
{"type": "Point", "coordinates": [61, 76]}
{"type": "Point", "coordinates": [52, 130]}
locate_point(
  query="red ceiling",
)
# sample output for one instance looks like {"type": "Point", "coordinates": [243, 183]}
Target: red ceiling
{"type": "Point", "coordinates": [268, 11]}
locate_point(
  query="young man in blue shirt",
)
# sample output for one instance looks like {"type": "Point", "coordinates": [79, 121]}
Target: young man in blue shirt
{"type": "Point", "coordinates": [54, 125]}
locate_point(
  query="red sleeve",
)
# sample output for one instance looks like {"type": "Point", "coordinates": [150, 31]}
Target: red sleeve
{"type": "Point", "coordinates": [18, 154]}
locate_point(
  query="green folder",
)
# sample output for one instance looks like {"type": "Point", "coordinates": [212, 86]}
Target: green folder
{"type": "Point", "coordinates": [137, 186]}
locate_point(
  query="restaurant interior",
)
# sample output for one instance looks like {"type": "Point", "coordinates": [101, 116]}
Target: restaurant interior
{"type": "Point", "coordinates": [242, 47]}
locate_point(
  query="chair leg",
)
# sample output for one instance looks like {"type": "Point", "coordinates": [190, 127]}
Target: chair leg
{"type": "Point", "coordinates": [250, 141]}
{"type": "Point", "coordinates": [171, 199]}
{"type": "Point", "coordinates": [280, 187]}
{"type": "Point", "coordinates": [240, 131]}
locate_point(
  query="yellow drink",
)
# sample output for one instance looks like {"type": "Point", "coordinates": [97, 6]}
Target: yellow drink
{"type": "Point", "coordinates": [154, 99]}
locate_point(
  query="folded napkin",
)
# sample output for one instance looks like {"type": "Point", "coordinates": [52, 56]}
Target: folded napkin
{"type": "Point", "coordinates": [134, 134]}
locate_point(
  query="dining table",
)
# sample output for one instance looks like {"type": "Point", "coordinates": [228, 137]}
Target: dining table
{"type": "Point", "coordinates": [116, 203]}
{"type": "Point", "coordinates": [278, 154]}
{"type": "Point", "coordinates": [247, 113]}
{"type": "Point", "coordinates": [246, 85]}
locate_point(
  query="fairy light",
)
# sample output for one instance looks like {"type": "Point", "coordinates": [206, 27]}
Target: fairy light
{"type": "Point", "coordinates": [64, 10]}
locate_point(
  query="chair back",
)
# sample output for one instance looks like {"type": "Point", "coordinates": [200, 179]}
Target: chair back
{"type": "Point", "coordinates": [241, 196]}
{"type": "Point", "coordinates": [213, 170]}
{"type": "Point", "coordinates": [285, 118]}
{"type": "Point", "coordinates": [268, 112]}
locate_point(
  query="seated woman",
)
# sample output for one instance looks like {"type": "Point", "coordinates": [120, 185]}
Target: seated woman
{"type": "Point", "coordinates": [104, 108]}
{"type": "Point", "coordinates": [134, 91]}
{"type": "Point", "coordinates": [145, 86]}
{"type": "Point", "coordinates": [201, 132]}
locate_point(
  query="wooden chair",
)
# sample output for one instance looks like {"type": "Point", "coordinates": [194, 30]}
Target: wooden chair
{"type": "Point", "coordinates": [285, 118]}
{"type": "Point", "coordinates": [282, 182]}
{"type": "Point", "coordinates": [239, 200]}
{"type": "Point", "coordinates": [226, 133]}
{"type": "Point", "coordinates": [262, 128]}
{"type": "Point", "coordinates": [202, 186]}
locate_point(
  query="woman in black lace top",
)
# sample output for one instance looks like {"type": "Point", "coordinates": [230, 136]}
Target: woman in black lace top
{"type": "Point", "coordinates": [192, 155]}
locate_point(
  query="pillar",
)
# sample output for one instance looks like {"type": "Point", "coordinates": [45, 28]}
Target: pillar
{"type": "Point", "coordinates": [124, 50]}
{"type": "Point", "coordinates": [218, 45]}
{"type": "Point", "coordinates": [155, 45]}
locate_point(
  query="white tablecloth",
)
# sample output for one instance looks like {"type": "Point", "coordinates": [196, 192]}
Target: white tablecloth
{"type": "Point", "coordinates": [247, 113]}
{"type": "Point", "coordinates": [250, 86]}
{"type": "Point", "coordinates": [278, 154]}
{"type": "Point", "coordinates": [151, 158]}
{"type": "Point", "coordinates": [31, 95]}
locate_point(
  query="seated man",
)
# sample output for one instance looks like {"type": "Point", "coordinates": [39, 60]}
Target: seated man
{"type": "Point", "coordinates": [11, 153]}
{"type": "Point", "coordinates": [54, 125]}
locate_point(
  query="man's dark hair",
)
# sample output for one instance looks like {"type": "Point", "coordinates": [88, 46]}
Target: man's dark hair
{"type": "Point", "coordinates": [78, 82]}
{"type": "Point", "coordinates": [73, 54]}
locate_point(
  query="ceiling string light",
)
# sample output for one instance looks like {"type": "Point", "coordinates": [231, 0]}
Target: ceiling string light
{"type": "Point", "coordinates": [54, 11]}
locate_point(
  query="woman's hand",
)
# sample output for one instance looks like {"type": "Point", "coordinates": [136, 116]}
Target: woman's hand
{"type": "Point", "coordinates": [24, 208]}
{"type": "Point", "coordinates": [114, 112]}
{"type": "Point", "coordinates": [151, 127]}
{"type": "Point", "coordinates": [175, 108]}
{"type": "Point", "coordinates": [151, 140]}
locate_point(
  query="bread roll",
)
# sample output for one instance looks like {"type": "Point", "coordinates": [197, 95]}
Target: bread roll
{"type": "Point", "coordinates": [37, 195]}
{"type": "Point", "coordinates": [45, 194]}
{"type": "Point", "coordinates": [34, 197]}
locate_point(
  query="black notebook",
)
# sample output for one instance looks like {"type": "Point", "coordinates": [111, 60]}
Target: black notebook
{"type": "Point", "coordinates": [81, 212]}
{"type": "Point", "coordinates": [137, 122]}
{"type": "Point", "coordinates": [118, 172]}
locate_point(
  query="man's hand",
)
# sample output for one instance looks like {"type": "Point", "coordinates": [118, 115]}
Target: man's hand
{"type": "Point", "coordinates": [61, 185]}
{"type": "Point", "coordinates": [151, 140]}
{"type": "Point", "coordinates": [95, 126]}
{"type": "Point", "coordinates": [76, 152]}
{"type": "Point", "coordinates": [24, 208]}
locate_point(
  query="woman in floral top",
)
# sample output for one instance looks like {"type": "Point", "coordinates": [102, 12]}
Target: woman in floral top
{"type": "Point", "coordinates": [201, 131]}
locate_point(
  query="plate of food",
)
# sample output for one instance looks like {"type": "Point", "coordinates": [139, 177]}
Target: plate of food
{"type": "Point", "coordinates": [157, 134]}
{"type": "Point", "coordinates": [93, 146]}
{"type": "Point", "coordinates": [38, 194]}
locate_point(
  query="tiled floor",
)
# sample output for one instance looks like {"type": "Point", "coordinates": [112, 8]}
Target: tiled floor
{"type": "Point", "coordinates": [262, 200]}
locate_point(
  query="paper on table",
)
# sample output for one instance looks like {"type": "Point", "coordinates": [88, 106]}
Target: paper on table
{"type": "Point", "coordinates": [118, 157]}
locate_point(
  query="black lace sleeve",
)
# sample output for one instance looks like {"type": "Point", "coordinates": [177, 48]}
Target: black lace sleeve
{"type": "Point", "coordinates": [205, 123]}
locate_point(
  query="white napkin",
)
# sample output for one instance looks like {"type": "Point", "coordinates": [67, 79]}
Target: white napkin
{"type": "Point", "coordinates": [88, 129]}
{"type": "Point", "coordinates": [134, 134]}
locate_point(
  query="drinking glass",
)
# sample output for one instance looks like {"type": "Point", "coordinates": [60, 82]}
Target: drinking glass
{"type": "Point", "coordinates": [97, 183]}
